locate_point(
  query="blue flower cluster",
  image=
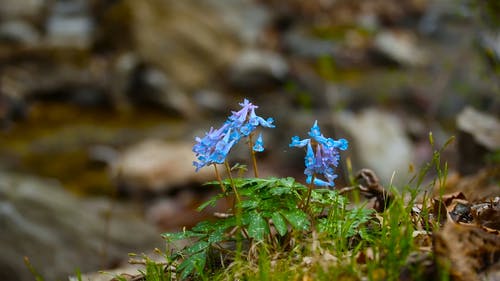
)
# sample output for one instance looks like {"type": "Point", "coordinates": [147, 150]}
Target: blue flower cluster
{"type": "Point", "coordinates": [321, 160]}
{"type": "Point", "coordinates": [214, 147]}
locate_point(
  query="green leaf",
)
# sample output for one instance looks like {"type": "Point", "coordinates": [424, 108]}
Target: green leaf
{"type": "Point", "coordinates": [199, 260]}
{"type": "Point", "coordinates": [287, 182]}
{"type": "Point", "coordinates": [297, 218]}
{"type": "Point", "coordinates": [279, 223]}
{"type": "Point", "coordinates": [257, 227]}
{"type": "Point", "coordinates": [227, 222]}
{"type": "Point", "coordinates": [181, 235]}
{"type": "Point", "coordinates": [245, 218]}
{"type": "Point", "coordinates": [196, 261]}
{"type": "Point", "coordinates": [204, 227]}
{"type": "Point", "coordinates": [249, 204]}
{"type": "Point", "coordinates": [262, 184]}
{"type": "Point", "coordinates": [277, 191]}
{"type": "Point", "coordinates": [186, 268]}
{"type": "Point", "coordinates": [211, 202]}
{"type": "Point", "coordinates": [197, 247]}
{"type": "Point", "coordinates": [216, 236]}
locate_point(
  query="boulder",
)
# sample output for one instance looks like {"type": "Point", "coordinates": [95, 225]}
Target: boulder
{"type": "Point", "coordinates": [478, 137]}
{"type": "Point", "coordinates": [187, 39]}
{"type": "Point", "coordinates": [155, 166]}
{"type": "Point", "coordinates": [402, 47]}
{"type": "Point", "coordinates": [60, 232]}
{"type": "Point", "coordinates": [378, 142]}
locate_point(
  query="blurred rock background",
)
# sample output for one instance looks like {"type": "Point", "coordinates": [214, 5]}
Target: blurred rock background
{"type": "Point", "coordinates": [100, 102]}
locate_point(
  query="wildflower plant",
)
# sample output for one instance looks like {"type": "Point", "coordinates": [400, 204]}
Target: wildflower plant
{"type": "Point", "coordinates": [273, 212]}
{"type": "Point", "coordinates": [321, 160]}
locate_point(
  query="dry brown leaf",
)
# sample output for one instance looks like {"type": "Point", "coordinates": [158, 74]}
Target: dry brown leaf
{"type": "Point", "coordinates": [487, 214]}
{"type": "Point", "coordinates": [479, 186]}
{"type": "Point", "coordinates": [468, 251]}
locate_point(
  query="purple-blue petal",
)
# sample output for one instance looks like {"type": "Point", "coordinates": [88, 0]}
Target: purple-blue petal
{"type": "Point", "coordinates": [259, 144]}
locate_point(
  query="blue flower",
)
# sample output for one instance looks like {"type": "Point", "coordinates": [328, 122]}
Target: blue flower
{"type": "Point", "coordinates": [259, 144]}
{"type": "Point", "coordinates": [320, 162]}
{"type": "Point", "coordinates": [246, 121]}
{"type": "Point", "coordinates": [215, 146]}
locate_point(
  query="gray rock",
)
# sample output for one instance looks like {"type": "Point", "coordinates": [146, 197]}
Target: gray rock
{"type": "Point", "coordinates": [479, 135]}
{"type": "Point", "coordinates": [245, 18]}
{"type": "Point", "coordinates": [211, 100]}
{"type": "Point", "coordinates": [152, 86]}
{"type": "Point", "coordinates": [257, 68]}
{"type": "Point", "coordinates": [70, 24]}
{"type": "Point", "coordinates": [483, 127]}
{"type": "Point", "coordinates": [378, 142]}
{"type": "Point", "coordinates": [490, 43]}
{"type": "Point", "coordinates": [19, 32]}
{"type": "Point", "coordinates": [401, 47]}
{"type": "Point", "coordinates": [188, 40]}
{"type": "Point", "coordinates": [60, 232]}
{"type": "Point", "coordinates": [157, 166]}
{"type": "Point", "coordinates": [27, 8]}
{"type": "Point", "coordinates": [300, 44]}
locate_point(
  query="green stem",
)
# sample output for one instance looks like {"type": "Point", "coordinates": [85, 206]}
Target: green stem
{"type": "Point", "coordinates": [219, 178]}
{"type": "Point", "coordinates": [232, 182]}
{"type": "Point", "coordinates": [309, 192]}
{"type": "Point", "coordinates": [252, 152]}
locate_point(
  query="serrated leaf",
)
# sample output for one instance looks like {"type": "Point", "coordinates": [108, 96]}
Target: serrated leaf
{"type": "Point", "coordinates": [216, 236]}
{"type": "Point", "coordinates": [297, 218]}
{"type": "Point", "coordinates": [245, 218]}
{"type": "Point", "coordinates": [197, 247]}
{"type": "Point", "coordinates": [279, 223]}
{"type": "Point", "coordinates": [261, 184]}
{"type": "Point", "coordinates": [277, 191]}
{"type": "Point", "coordinates": [186, 268]}
{"type": "Point", "coordinates": [204, 227]}
{"type": "Point", "coordinates": [257, 228]}
{"type": "Point", "coordinates": [249, 204]}
{"type": "Point", "coordinates": [211, 202]}
{"type": "Point", "coordinates": [199, 261]}
{"type": "Point", "coordinates": [287, 182]}
{"type": "Point", "coordinates": [181, 235]}
{"type": "Point", "coordinates": [226, 223]}
{"type": "Point", "coordinates": [196, 261]}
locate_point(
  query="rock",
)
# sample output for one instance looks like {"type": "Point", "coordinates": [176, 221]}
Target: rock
{"type": "Point", "coordinates": [401, 47]}
{"type": "Point", "coordinates": [151, 86]}
{"type": "Point", "coordinates": [188, 40]}
{"type": "Point", "coordinates": [18, 32]}
{"type": "Point", "coordinates": [59, 232]}
{"type": "Point", "coordinates": [175, 213]}
{"type": "Point", "coordinates": [211, 100]}
{"type": "Point", "coordinates": [246, 19]}
{"type": "Point", "coordinates": [298, 43]}
{"type": "Point", "coordinates": [433, 20]}
{"type": "Point", "coordinates": [70, 24]}
{"type": "Point", "coordinates": [27, 8]}
{"type": "Point", "coordinates": [255, 69]}
{"type": "Point", "coordinates": [378, 142]}
{"type": "Point", "coordinates": [11, 109]}
{"type": "Point", "coordinates": [489, 42]}
{"type": "Point", "coordinates": [157, 166]}
{"type": "Point", "coordinates": [479, 134]}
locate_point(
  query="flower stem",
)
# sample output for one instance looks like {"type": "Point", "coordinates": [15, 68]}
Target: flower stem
{"type": "Point", "coordinates": [219, 178]}
{"type": "Point", "coordinates": [252, 152]}
{"type": "Point", "coordinates": [236, 194]}
{"type": "Point", "coordinates": [309, 192]}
